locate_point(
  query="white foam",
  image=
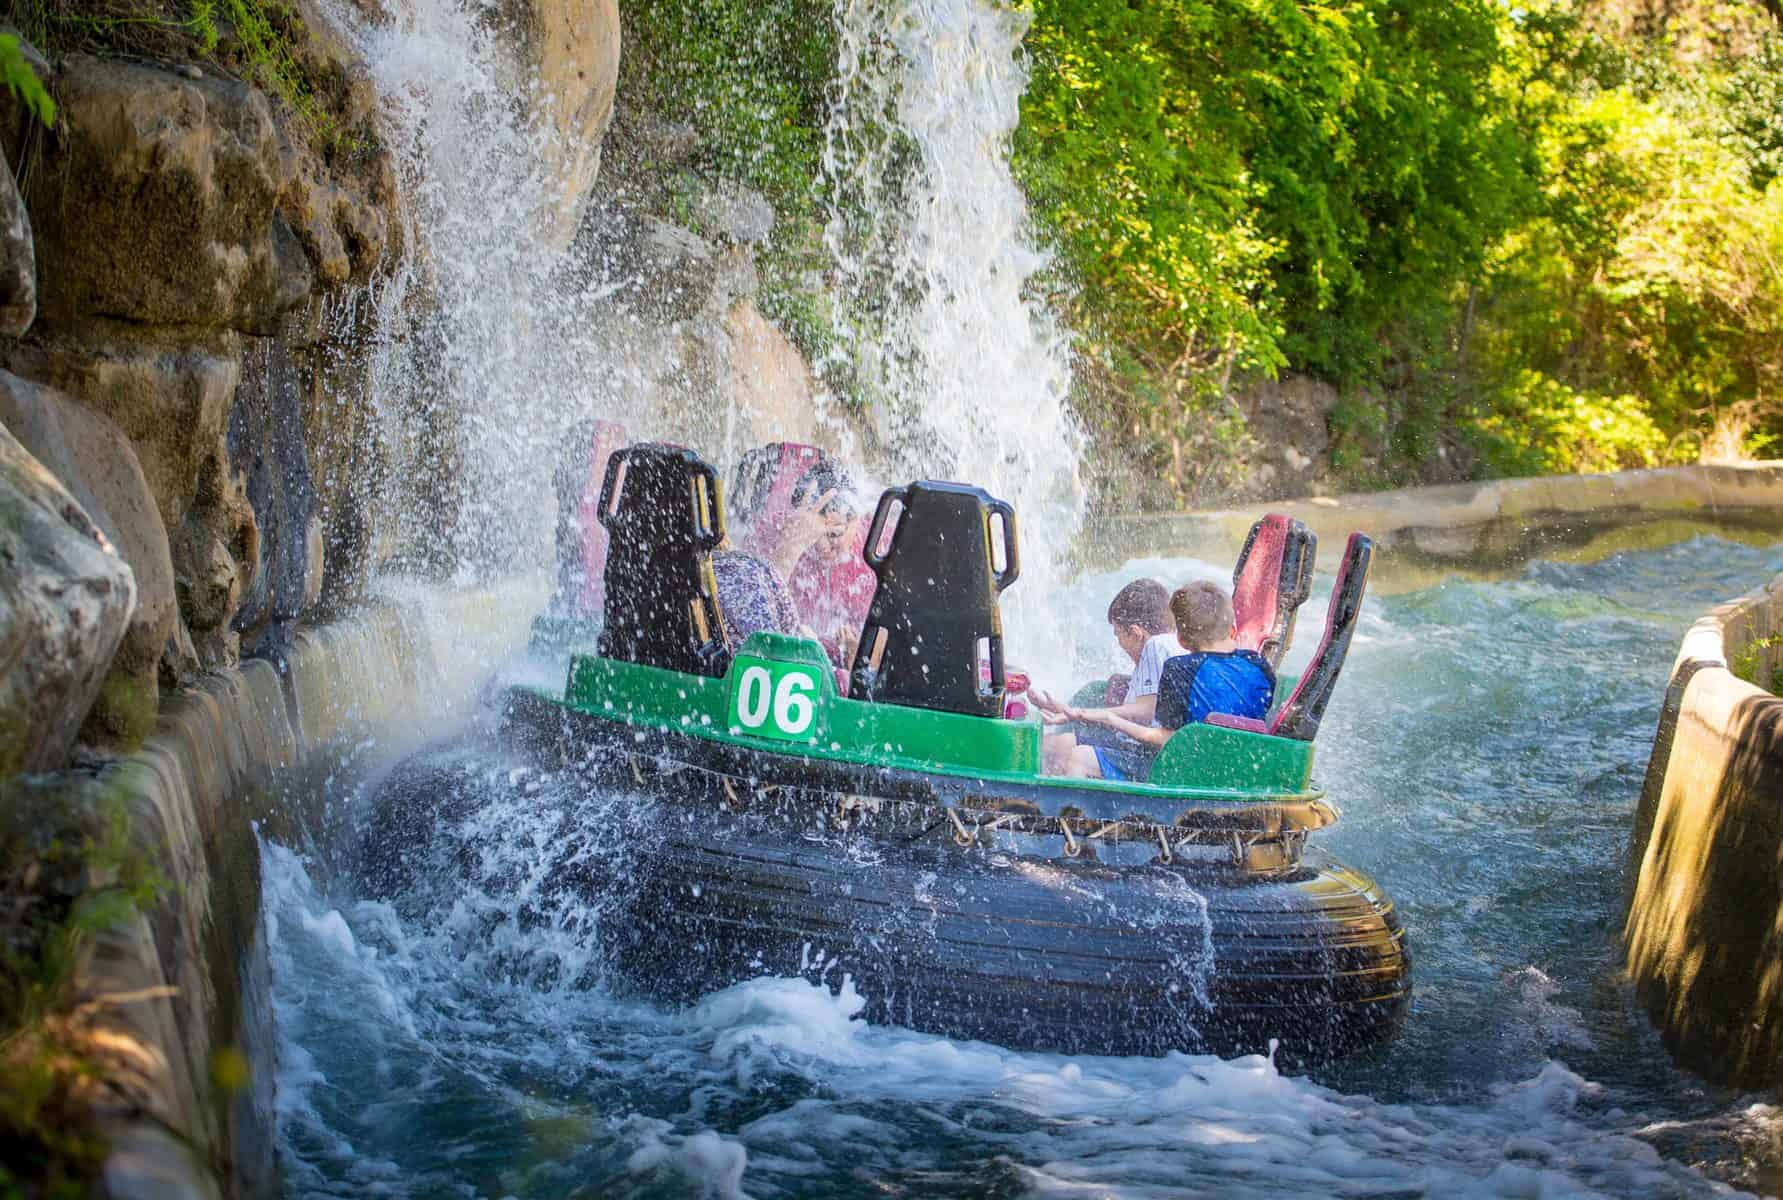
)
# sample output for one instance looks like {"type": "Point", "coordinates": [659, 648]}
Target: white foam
{"type": "Point", "coordinates": [356, 990]}
{"type": "Point", "coordinates": [711, 1163]}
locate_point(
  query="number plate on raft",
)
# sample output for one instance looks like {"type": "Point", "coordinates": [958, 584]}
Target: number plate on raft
{"type": "Point", "coordinates": [775, 699]}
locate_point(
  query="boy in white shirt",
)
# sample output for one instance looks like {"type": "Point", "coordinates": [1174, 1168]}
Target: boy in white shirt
{"type": "Point", "coordinates": [1139, 616]}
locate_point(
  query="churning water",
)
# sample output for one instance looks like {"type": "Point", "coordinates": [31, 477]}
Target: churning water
{"type": "Point", "coordinates": [1486, 744]}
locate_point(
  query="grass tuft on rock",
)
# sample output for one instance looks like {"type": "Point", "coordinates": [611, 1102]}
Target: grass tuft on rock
{"type": "Point", "coordinates": [260, 41]}
{"type": "Point", "coordinates": [69, 871]}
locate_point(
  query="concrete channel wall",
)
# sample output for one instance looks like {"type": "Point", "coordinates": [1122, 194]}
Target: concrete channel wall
{"type": "Point", "coordinates": [1425, 534]}
{"type": "Point", "coordinates": [1704, 931]}
{"type": "Point", "coordinates": [174, 1003]}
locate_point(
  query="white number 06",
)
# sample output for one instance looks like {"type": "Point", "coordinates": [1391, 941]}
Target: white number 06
{"type": "Point", "coordinates": [793, 709]}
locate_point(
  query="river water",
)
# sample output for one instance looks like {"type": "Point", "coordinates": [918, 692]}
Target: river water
{"type": "Point", "coordinates": [456, 1038]}
{"type": "Point", "coordinates": [1486, 744]}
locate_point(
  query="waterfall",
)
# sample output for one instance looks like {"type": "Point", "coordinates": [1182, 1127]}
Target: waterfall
{"type": "Point", "coordinates": [487, 349]}
{"type": "Point", "coordinates": [966, 374]}
{"type": "Point", "coordinates": [493, 340]}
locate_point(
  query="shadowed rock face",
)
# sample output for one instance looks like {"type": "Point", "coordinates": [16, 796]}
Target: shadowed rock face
{"type": "Point", "coordinates": [168, 200]}
{"type": "Point", "coordinates": [93, 460]}
{"type": "Point", "coordinates": [266, 446]}
{"type": "Point", "coordinates": [18, 259]}
{"type": "Point", "coordinates": [65, 602]}
{"type": "Point", "coordinates": [198, 242]}
{"type": "Point", "coordinates": [197, 382]}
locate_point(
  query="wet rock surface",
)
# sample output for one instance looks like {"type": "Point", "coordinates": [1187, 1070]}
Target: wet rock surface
{"type": "Point", "coordinates": [773, 390]}
{"type": "Point", "coordinates": [347, 454]}
{"type": "Point", "coordinates": [90, 456]}
{"type": "Point", "coordinates": [568, 70]}
{"type": "Point", "coordinates": [266, 447]}
{"type": "Point", "coordinates": [345, 207]}
{"type": "Point", "coordinates": [159, 202]}
{"type": "Point", "coordinates": [18, 259]}
{"type": "Point", "coordinates": [65, 603]}
{"type": "Point", "coordinates": [169, 390]}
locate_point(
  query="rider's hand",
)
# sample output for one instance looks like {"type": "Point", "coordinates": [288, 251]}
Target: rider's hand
{"type": "Point", "coordinates": [804, 524]}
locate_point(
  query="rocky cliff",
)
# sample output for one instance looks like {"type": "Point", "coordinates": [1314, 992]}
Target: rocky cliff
{"type": "Point", "coordinates": [235, 385]}
{"type": "Point", "coordinates": [186, 229]}
{"type": "Point", "coordinates": [189, 280]}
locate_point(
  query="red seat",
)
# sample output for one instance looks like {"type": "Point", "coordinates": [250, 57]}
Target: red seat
{"type": "Point", "coordinates": [582, 541]}
{"type": "Point", "coordinates": [774, 469]}
{"type": "Point", "coordinates": [1299, 717]}
{"type": "Point", "coordinates": [1228, 721]}
{"type": "Point", "coordinates": [1271, 581]}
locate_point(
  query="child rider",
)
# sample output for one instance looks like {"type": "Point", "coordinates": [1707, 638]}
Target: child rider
{"type": "Point", "coordinates": [1139, 616]}
{"type": "Point", "coordinates": [1214, 676]}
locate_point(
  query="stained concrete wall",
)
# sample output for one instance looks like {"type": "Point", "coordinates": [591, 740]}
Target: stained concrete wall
{"type": "Point", "coordinates": [1704, 930]}
{"type": "Point", "coordinates": [174, 1003]}
{"type": "Point", "coordinates": [1424, 534]}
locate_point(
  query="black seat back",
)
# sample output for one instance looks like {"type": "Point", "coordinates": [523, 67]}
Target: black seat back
{"type": "Point", "coordinates": [662, 510]}
{"type": "Point", "coordinates": [1300, 716]}
{"type": "Point", "coordinates": [935, 610]}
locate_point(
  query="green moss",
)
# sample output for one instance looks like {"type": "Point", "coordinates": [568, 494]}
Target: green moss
{"type": "Point", "coordinates": [1748, 663]}
{"type": "Point", "coordinates": [752, 80]}
{"type": "Point", "coordinates": [126, 708]}
{"type": "Point", "coordinates": [262, 41]}
{"type": "Point", "coordinates": [21, 80]}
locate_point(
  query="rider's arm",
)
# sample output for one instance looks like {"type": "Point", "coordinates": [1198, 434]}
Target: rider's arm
{"type": "Point", "coordinates": [1151, 735]}
{"type": "Point", "coordinates": [1139, 710]}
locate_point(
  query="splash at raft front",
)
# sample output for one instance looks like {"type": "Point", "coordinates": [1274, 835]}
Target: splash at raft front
{"type": "Point", "coordinates": [889, 828]}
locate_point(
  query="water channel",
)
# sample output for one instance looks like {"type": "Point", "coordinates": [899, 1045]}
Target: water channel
{"type": "Point", "coordinates": [1486, 745]}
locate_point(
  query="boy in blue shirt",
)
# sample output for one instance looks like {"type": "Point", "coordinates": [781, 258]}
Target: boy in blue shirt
{"type": "Point", "coordinates": [1139, 616]}
{"type": "Point", "coordinates": [1213, 676]}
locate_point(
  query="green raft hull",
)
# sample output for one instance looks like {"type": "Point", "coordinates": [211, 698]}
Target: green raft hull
{"type": "Point", "coordinates": [919, 857]}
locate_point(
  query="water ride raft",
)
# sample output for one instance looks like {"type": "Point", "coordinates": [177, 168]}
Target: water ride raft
{"type": "Point", "coordinates": [890, 826]}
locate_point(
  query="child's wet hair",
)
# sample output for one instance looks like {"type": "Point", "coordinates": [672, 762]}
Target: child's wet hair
{"type": "Point", "coordinates": [1203, 613]}
{"type": "Point", "coordinates": [826, 476]}
{"type": "Point", "coordinates": [1145, 603]}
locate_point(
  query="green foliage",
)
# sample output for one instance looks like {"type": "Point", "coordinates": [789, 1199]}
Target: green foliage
{"type": "Point", "coordinates": [260, 40]}
{"type": "Point", "coordinates": [1751, 97]}
{"type": "Point", "coordinates": [21, 80]}
{"type": "Point", "coordinates": [1540, 426]}
{"type": "Point", "coordinates": [1239, 186]}
{"type": "Point", "coordinates": [1748, 661]}
{"type": "Point", "coordinates": [1520, 238]}
{"type": "Point", "coordinates": [70, 871]}
{"type": "Point", "coordinates": [267, 32]}
{"type": "Point", "coordinates": [750, 78]}
{"type": "Point", "coordinates": [1654, 273]}
{"type": "Point", "coordinates": [752, 81]}
{"type": "Point", "coordinates": [159, 28]}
